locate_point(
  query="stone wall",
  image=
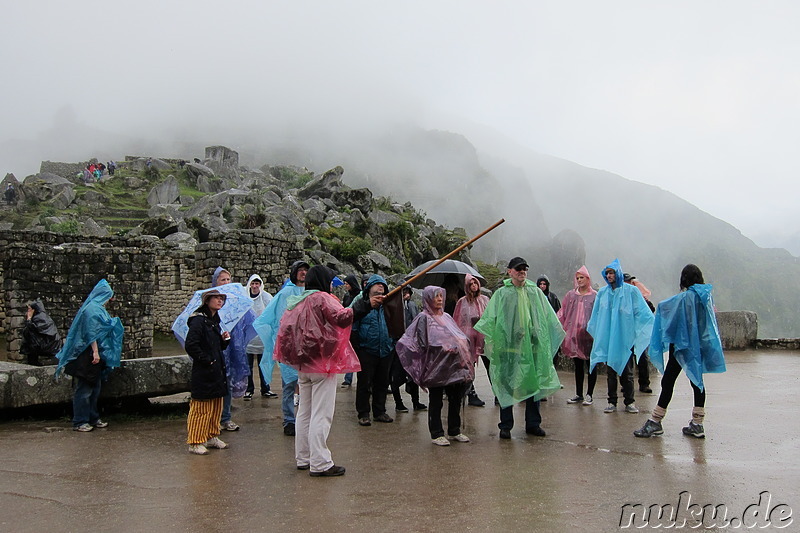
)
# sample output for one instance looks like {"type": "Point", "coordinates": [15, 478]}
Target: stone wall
{"type": "Point", "coordinates": [65, 170]}
{"type": "Point", "coordinates": [152, 279]}
{"type": "Point", "coordinates": [738, 329]}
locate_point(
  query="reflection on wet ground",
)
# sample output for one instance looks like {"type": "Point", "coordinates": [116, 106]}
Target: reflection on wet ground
{"type": "Point", "coordinates": [137, 475]}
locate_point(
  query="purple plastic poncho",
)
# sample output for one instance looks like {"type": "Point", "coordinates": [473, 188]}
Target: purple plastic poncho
{"type": "Point", "coordinates": [314, 335]}
{"type": "Point", "coordinates": [574, 315]}
{"type": "Point", "coordinates": [433, 350]}
{"type": "Point", "coordinates": [467, 313]}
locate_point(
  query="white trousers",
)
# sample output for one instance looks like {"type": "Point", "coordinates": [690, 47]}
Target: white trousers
{"type": "Point", "coordinates": [313, 420]}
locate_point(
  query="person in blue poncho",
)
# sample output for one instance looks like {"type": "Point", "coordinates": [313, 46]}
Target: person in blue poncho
{"type": "Point", "coordinates": [93, 347]}
{"type": "Point", "coordinates": [621, 324]}
{"type": "Point", "coordinates": [686, 326]}
{"type": "Point", "coordinates": [267, 326]}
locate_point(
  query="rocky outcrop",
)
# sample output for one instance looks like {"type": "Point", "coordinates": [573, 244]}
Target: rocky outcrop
{"type": "Point", "coordinates": [166, 192]}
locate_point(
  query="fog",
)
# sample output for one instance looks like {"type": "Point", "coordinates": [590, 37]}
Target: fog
{"type": "Point", "coordinates": [697, 98]}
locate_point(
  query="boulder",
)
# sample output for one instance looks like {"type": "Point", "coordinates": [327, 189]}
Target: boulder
{"type": "Point", "coordinates": [224, 155]}
{"type": "Point", "coordinates": [377, 261]}
{"type": "Point", "coordinates": [287, 218]}
{"type": "Point", "coordinates": [360, 199]}
{"type": "Point", "coordinates": [63, 199]}
{"type": "Point", "coordinates": [185, 200]}
{"type": "Point", "coordinates": [92, 199]}
{"type": "Point", "coordinates": [166, 192]}
{"type": "Point", "coordinates": [197, 169]}
{"type": "Point", "coordinates": [383, 217]}
{"type": "Point", "coordinates": [133, 182]}
{"type": "Point", "coordinates": [315, 216]}
{"type": "Point", "coordinates": [45, 186]}
{"type": "Point", "coordinates": [93, 229]}
{"type": "Point", "coordinates": [210, 184]}
{"type": "Point", "coordinates": [160, 226]}
{"type": "Point", "coordinates": [182, 240]}
{"type": "Point", "coordinates": [170, 210]}
{"type": "Point", "coordinates": [324, 186]}
{"type": "Point", "coordinates": [323, 258]}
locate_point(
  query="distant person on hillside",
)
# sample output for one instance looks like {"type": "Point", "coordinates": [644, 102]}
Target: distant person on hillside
{"type": "Point", "coordinates": [686, 327]}
{"type": "Point", "coordinates": [112, 167]}
{"type": "Point", "coordinates": [621, 324]}
{"type": "Point", "coordinates": [643, 365]}
{"type": "Point", "coordinates": [10, 194]}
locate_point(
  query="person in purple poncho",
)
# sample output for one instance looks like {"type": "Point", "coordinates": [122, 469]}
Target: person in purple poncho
{"type": "Point", "coordinates": [686, 326]}
{"type": "Point", "coordinates": [436, 354]}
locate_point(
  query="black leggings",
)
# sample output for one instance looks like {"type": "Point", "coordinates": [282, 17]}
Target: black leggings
{"type": "Point", "coordinates": [671, 373]}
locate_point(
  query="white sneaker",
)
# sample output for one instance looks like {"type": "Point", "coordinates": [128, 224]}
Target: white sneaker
{"type": "Point", "coordinates": [441, 441]}
{"type": "Point", "coordinates": [198, 449]}
{"type": "Point", "coordinates": [611, 408]}
{"type": "Point", "coordinates": [588, 400]}
{"type": "Point", "coordinates": [459, 438]}
{"type": "Point", "coordinates": [296, 400]}
{"type": "Point", "coordinates": [215, 442]}
{"type": "Point", "coordinates": [230, 425]}
{"type": "Point", "coordinates": [631, 408]}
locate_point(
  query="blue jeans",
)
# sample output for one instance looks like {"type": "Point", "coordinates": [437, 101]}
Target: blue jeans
{"type": "Point", "coordinates": [226, 405]}
{"type": "Point", "coordinates": [533, 418]}
{"type": "Point", "coordinates": [287, 402]}
{"type": "Point", "coordinates": [84, 402]}
{"type": "Point", "coordinates": [348, 378]}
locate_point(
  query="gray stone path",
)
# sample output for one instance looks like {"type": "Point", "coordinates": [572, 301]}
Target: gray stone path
{"type": "Point", "coordinates": [137, 475]}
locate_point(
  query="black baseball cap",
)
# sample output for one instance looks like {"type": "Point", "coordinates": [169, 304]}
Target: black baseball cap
{"type": "Point", "coordinates": [517, 261]}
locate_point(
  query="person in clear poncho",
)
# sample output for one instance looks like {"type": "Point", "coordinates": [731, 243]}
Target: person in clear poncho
{"type": "Point", "coordinates": [92, 349]}
{"type": "Point", "coordinates": [468, 311]}
{"type": "Point", "coordinates": [686, 327]}
{"type": "Point", "coordinates": [621, 324]}
{"type": "Point", "coordinates": [314, 339]}
{"type": "Point", "coordinates": [522, 335]}
{"type": "Point", "coordinates": [436, 354]}
{"type": "Point", "coordinates": [574, 316]}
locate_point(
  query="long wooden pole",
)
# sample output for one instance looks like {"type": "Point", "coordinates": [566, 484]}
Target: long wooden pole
{"type": "Point", "coordinates": [445, 258]}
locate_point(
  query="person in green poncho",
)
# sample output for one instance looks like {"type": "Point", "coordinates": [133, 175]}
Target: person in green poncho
{"type": "Point", "coordinates": [522, 335]}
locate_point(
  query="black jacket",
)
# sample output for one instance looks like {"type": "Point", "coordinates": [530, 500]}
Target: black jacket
{"type": "Point", "coordinates": [204, 345]}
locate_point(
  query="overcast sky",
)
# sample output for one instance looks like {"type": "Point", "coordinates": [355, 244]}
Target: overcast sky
{"type": "Point", "coordinates": [701, 98]}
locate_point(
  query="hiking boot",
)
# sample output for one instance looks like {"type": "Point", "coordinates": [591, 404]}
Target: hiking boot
{"type": "Point", "coordinates": [575, 399]}
{"type": "Point", "coordinates": [610, 408]}
{"type": "Point", "coordinates": [441, 441]}
{"type": "Point", "coordinates": [332, 471]}
{"type": "Point", "coordinates": [420, 406]}
{"type": "Point", "coordinates": [198, 449]}
{"type": "Point", "coordinates": [400, 408]}
{"type": "Point", "coordinates": [536, 432]}
{"type": "Point", "coordinates": [230, 425]}
{"type": "Point", "coordinates": [631, 408]}
{"type": "Point", "coordinates": [364, 421]}
{"type": "Point", "coordinates": [83, 428]}
{"type": "Point", "coordinates": [100, 424]}
{"type": "Point", "coordinates": [505, 433]}
{"type": "Point", "coordinates": [459, 438]}
{"type": "Point", "coordinates": [475, 401]}
{"type": "Point", "coordinates": [215, 442]}
{"type": "Point", "coordinates": [694, 430]}
{"type": "Point", "coordinates": [650, 428]}
{"type": "Point", "coordinates": [588, 400]}
{"type": "Point", "coordinates": [289, 430]}
{"type": "Point", "coordinates": [383, 417]}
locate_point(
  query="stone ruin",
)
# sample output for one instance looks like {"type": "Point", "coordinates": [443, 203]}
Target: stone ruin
{"type": "Point", "coordinates": [152, 279]}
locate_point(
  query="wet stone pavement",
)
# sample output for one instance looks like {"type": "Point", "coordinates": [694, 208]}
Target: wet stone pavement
{"type": "Point", "coordinates": [137, 475]}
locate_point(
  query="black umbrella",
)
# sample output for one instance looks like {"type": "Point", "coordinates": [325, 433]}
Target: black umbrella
{"type": "Point", "coordinates": [436, 276]}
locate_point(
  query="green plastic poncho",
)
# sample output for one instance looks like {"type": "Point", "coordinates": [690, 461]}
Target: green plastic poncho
{"type": "Point", "coordinates": [522, 336]}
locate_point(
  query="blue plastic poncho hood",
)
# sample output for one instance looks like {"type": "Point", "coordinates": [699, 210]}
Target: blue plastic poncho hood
{"type": "Point", "coordinates": [93, 323]}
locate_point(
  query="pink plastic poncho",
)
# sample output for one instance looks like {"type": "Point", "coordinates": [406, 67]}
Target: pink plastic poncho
{"type": "Point", "coordinates": [467, 313]}
{"type": "Point", "coordinates": [574, 315]}
{"type": "Point", "coordinates": [433, 350]}
{"type": "Point", "coordinates": [314, 335]}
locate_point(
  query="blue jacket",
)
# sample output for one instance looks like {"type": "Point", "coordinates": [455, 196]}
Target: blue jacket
{"type": "Point", "coordinates": [373, 333]}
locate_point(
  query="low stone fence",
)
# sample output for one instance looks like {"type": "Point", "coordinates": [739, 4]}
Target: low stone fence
{"type": "Point", "coordinates": [738, 329]}
{"type": "Point", "coordinates": [24, 385]}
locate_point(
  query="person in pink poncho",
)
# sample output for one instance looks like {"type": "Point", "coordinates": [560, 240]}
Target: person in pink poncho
{"type": "Point", "coordinates": [468, 311]}
{"type": "Point", "coordinates": [574, 315]}
{"type": "Point", "coordinates": [436, 354]}
{"type": "Point", "coordinates": [314, 338]}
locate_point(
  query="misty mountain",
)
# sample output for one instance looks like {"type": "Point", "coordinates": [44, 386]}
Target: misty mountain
{"type": "Point", "coordinates": [560, 215]}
